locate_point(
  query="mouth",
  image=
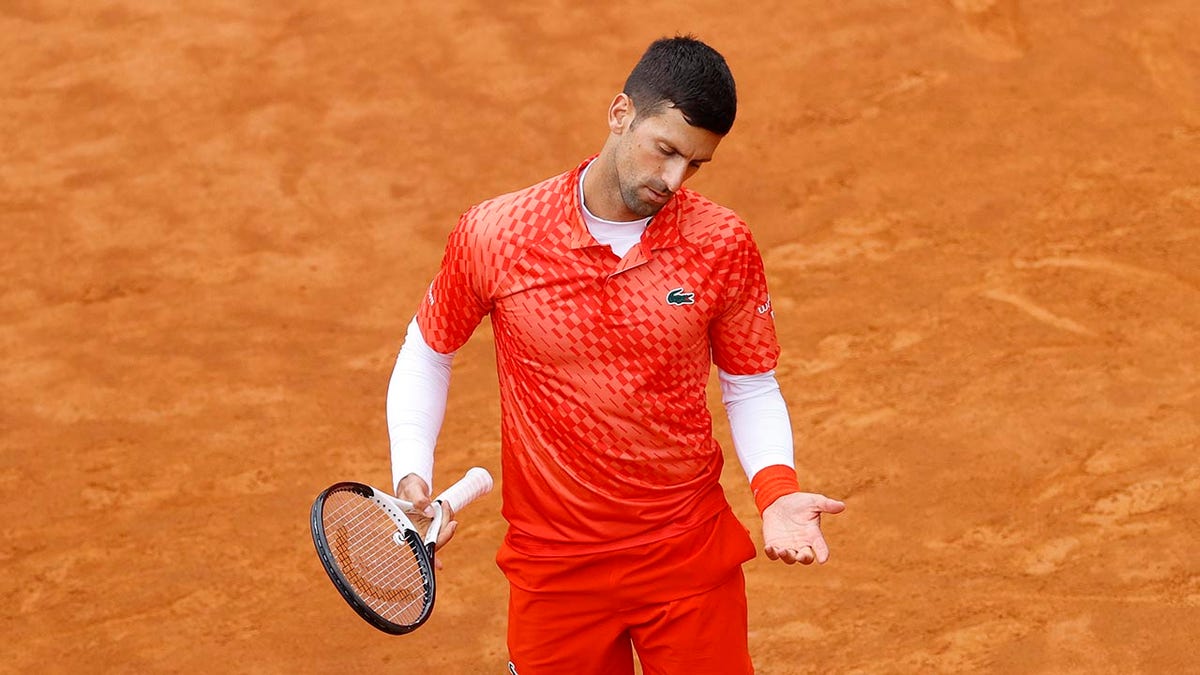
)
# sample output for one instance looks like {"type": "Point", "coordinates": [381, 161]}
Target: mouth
{"type": "Point", "coordinates": [658, 197]}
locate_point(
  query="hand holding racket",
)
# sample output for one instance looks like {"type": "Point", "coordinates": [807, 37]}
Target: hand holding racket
{"type": "Point", "coordinates": [414, 490]}
{"type": "Point", "coordinates": [379, 550]}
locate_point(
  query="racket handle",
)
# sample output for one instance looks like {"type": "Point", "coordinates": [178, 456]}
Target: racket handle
{"type": "Point", "coordinates": [475, 484]}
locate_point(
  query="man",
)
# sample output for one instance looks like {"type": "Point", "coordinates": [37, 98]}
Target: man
{"type": "Point", "coordinates": [612, 291]}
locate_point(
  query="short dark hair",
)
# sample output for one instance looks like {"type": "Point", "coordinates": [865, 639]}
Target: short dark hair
{"type": "Point", "coordinates": [684, 73]}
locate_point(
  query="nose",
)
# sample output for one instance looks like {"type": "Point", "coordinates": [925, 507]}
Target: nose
{"type": "Point", "coordinates": [674, 174]}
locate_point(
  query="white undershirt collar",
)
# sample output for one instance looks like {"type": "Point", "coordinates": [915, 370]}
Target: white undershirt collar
{"type": "Point", "coordinates": [617, 235]}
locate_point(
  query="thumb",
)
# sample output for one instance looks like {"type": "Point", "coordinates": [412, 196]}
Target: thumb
{"type": "Point", "coordinates": [832, 506]}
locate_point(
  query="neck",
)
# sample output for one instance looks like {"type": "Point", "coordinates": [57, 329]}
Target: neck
{"type": "Point", "coordinates": [602, 191]}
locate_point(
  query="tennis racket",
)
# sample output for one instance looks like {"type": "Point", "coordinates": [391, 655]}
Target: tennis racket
{"type": "Point", "coordinates": [378, 550]}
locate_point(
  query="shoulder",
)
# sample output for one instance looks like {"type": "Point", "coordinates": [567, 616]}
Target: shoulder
{"type": "Point", "coordinates": [517, 216]}
{"type": "Point", "coordinates": [711, 225]}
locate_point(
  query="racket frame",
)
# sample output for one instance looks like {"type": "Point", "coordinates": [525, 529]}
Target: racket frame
{"type": "Point", "coordinates": [476, 483]}
{"type": "Point", "coordinates": [423, 548]}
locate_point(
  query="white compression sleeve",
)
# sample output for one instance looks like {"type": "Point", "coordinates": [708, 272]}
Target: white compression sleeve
{"type": "Point", "coordinates": [758, 420]}
{"type": "Point", "coordinates": [416, 406]}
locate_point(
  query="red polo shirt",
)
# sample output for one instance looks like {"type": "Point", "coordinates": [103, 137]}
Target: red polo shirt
{"type": "Point", "coordinates": [603, 362]}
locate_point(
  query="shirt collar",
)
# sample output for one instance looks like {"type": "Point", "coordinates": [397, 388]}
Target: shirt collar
{"type": "Point", "coordinates": [662, 232]}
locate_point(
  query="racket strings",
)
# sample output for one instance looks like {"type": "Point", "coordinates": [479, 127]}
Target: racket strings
{"type": "Point", "coordinates": [384, 571]}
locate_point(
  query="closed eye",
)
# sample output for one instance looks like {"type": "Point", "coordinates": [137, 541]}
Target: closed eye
{"type": "Point", "coordinates": [668, 151]}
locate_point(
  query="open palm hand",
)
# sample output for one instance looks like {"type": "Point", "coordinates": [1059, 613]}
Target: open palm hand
{"type": "Point", "coordinates": [792, 528]}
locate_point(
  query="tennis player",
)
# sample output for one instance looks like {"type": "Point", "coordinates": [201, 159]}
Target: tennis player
{"type": "Point", "coordinates": [612, 291]}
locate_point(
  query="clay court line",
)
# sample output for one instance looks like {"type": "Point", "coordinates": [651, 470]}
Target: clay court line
{"type": "Point", "coordinates": [1102, 265]}
{"type": "Point", "coordinates": [1098, 264]}
{"type": "Point", "coordinates": [1036, 311]}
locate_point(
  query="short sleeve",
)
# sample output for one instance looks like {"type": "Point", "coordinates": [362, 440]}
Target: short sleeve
{"type": "Point", "coordinates": [459, 296]}
{"type": "Point", "coordinates": [743, 335]}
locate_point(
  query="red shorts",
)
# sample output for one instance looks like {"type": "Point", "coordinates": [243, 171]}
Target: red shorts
{"type": "Point", "coordinates": [680, 603]}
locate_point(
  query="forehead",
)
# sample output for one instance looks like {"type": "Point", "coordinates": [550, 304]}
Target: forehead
{"type": "Point", "coordinates": [671, 127]}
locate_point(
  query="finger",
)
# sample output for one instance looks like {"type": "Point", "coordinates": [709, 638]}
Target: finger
{"type": "Point", "coordinates": [806, 556]}
{"type": "Point", "coordinates": [420, 503]}
{"type": "Point", "coordinates": [821, 549]}
{"type": "Point", "coordinates": [413, 489]}
{"type": "Point", "coordinates": [447, 533]}
{"type": "Point", "coordinates": [787, 555]}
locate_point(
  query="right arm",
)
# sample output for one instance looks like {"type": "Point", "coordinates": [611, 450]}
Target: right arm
{"type": "Point", "coordinates": [416, 407]}
{"type": "Point", "coordinates": [453, 305]}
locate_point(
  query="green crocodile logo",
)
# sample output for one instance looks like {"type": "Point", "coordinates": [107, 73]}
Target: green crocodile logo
{"type": "Point", "coordinates": [678, 297]}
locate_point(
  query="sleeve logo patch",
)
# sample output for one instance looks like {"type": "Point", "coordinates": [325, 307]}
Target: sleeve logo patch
{"type": "Point", "coordinates": [677, 296]}
{"type": "Point", "coordinates": [766, 307]}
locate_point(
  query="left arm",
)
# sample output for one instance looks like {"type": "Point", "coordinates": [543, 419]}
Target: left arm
{"type": "Point", "coordinates": [746, 351]}
{"type": "Point", "coordinates": [762, 438]}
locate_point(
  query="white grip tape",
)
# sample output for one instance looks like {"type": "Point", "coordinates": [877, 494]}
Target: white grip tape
{"type": "Point", "coordinates": [477, 483]}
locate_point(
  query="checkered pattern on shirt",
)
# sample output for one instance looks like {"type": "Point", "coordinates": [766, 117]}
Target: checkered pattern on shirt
{"type": "Point", "coordinates": [605, 428]}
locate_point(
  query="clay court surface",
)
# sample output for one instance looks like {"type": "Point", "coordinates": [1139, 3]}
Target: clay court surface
{"type": "Point", "coordinates": [981, 221]}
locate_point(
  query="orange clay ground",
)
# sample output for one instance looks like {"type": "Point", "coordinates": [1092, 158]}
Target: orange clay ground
{"type": "Point", "coordinates": [981, 221]}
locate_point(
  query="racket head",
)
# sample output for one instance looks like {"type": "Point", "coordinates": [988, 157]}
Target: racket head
{"type": "Point", "coordinates": [374, 556]}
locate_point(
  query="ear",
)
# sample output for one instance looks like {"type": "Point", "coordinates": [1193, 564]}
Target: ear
{"type": "Point", "coordinates": [620, 114]}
